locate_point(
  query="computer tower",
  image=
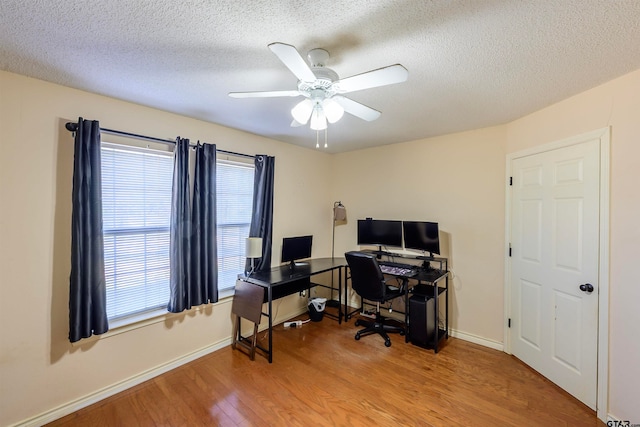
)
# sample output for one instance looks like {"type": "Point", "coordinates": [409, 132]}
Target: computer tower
{"type": "Point", "coordinates": [422, 325]}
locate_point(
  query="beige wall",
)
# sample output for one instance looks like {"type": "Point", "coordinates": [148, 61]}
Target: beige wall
{"type": "Point", "coordinates": [39, 369]}
{"type": "Point", "coordinates": [456, 180]}
{"type": "Point", "coordinates": [459, 181]}
{"type": "Point", "coordinates": [615, 104]}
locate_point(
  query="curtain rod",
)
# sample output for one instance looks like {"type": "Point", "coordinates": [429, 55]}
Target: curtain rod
{"type": "Point", "coordinates": [72, 127]}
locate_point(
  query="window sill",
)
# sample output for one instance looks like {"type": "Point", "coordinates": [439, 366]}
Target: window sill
{"type": "Point", "coordinates": [126, 324]}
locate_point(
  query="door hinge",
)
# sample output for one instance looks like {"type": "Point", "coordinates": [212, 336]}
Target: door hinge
{"type": "Point", "coordinates": [510, 180]}
{"type": "Point", "coordinates": [509, 323]}
{"type": "Point", "coordinates": [509, 249]}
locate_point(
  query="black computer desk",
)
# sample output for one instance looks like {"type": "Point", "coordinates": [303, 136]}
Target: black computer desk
{"type": "Point", "coordinates": [282, 281]}
{"type": "Point", "coordinates": [427, 282]}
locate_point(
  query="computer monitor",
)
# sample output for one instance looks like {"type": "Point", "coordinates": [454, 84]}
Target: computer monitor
{"type": "Point", "coordinates": [422, 236]}
{"type": "Point", "coordinates": [295, 248]}
{"type": "Point", "coordinates": [380, 232]}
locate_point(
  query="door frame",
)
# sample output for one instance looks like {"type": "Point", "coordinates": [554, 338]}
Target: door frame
{"type": "Point", "coordinates": [604, 137]}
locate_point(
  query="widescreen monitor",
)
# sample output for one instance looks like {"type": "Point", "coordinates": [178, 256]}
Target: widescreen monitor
{"type": "Point", "coordinates": [423, 236]}
{"type": "Point", "coordinates": [295, 248]}
{"type": "Point", "coordinates": [380, 232]}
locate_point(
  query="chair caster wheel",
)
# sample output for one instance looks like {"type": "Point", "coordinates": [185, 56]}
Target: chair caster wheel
{"type": "Point", "coordinates": [357, 322]}
{"type": "Point", "coordinates": [357, 337]}
{"type": "Point", "coordinates": [402, 333]}
{"type": "Point", "coordinates": [387, 343]}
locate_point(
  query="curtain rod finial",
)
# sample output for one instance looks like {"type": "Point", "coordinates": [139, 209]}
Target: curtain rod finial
{"type": "Point", "coordinates": [71, 127]}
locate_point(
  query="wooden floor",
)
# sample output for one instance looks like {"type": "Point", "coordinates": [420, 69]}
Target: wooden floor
{"type": "Point", "coordinates": [321, 376]}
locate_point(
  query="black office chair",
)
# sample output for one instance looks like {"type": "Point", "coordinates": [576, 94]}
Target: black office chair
{"type": "Point", "coordinates": [368, 282]}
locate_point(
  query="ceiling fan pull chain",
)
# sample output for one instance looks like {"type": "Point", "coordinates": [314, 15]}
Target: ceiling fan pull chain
{"type": "Point", "coordinates": [317, 139]}
{"type": "Point", "coordinates": [325, 136]}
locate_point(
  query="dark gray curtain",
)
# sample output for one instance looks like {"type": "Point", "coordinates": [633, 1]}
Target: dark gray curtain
{"type": "Point", "coordinates": [180, 231]}
{"type": "Point", "coordinates": [87, 287]}
{"type": "Point", "coordinates": [204, 253]}
{"type": "Point", "coordinates": [262, 216]}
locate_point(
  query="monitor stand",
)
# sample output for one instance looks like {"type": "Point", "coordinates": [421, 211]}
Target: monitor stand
{"type": "Point", "coordinates": [379, 253]}
{"type": "Point", "coordinates": [293, 264]}
{"type": "Point", "coordinates": [426, 265]}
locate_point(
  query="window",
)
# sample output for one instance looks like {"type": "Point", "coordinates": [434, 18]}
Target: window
{"type": "Point", "coordinates": [136, 205]}
{"type": "Point", "coordinates": [235, 203]}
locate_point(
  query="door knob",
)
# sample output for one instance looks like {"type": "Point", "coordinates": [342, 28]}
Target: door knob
{"type": "Point", "coordinates": [587, 287]}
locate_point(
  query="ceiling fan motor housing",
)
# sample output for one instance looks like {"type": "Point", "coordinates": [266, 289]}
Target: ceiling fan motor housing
{"type": "Point", "coordinates": [324, 80]}
{"type": "Point", "coordinates": [321, 88]}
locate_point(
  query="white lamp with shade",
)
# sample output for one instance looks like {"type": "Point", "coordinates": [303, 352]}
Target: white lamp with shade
{"type": "Point", "coordinates": [253, 250]}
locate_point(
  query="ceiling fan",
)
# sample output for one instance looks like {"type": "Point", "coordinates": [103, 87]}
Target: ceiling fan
{"type": "Point", "coordinates": [323, 90]}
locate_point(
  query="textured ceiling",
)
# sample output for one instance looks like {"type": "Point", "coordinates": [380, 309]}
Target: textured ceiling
{"type": "Point", "coordinates": [471, 63]}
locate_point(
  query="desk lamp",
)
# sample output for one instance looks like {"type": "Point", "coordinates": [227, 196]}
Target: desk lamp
{"type": "Point", "coordinates": [253, 250]}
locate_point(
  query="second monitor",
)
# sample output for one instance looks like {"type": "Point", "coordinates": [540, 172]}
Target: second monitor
{"type": "Point", "coordinates": [422, 236]}
{"type": "Point", "coordinates": [380, 232]}
{"type": "Point", "coordinates": [295, 248]}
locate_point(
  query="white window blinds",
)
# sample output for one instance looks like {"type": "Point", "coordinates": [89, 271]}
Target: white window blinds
{"type": "Point", "coordinates": [136, 204]}
{"type": "Point", "coordinates": [136, 198]}
{"type": "Point", "coordinates": [235, 202]}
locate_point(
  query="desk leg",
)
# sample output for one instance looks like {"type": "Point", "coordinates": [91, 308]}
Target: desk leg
{"type": "Point", "coordinates": [346, 297]}
{"type": "Point", "coordinates": [270, 301]}
{"type": "Point", "coordinates": [446, 308]}
{"type": "Point", "coordinates": [436, 317]}
{"type": "Point", "coordinates": [339, 295]}
{"type": "Point", "coordinates": [406, 309]}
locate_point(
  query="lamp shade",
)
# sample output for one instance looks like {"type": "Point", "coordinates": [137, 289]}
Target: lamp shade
{"type": "Point", "coordinates": [318, 119]}
{"type": "Point", "coordinates": [339, 212]}
{"type": "Point", "coordinates": [254, 247]}
{"type": "Point", "coordinates": [332, 110]}
{"type": "Point", "coordinates": [302, 111]}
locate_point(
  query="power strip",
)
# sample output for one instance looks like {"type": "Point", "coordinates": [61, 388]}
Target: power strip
{"type": "Point", "coordinates": [294, 324]}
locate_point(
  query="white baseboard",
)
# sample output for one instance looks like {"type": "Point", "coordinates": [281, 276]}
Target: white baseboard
{"type": "Point", "coordinates": [109, 391]}
{"type": "Point", "coordinates": [496, 345]}
{"type": "Point", "coordinates": [90, 399]}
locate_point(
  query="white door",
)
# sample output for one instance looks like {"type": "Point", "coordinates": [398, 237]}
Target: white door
{"type": "Point", "coordinates": [555, 250]}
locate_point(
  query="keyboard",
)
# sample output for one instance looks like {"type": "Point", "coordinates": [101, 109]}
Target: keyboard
{"type": "Point", "coordinates": [397, 269]}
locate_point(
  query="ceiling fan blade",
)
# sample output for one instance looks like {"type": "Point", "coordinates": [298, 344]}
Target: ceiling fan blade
{"type": "Point", "coordinates": [380, 77]}
{"type": "Point", "coordinates": [357, 109]}
{"type": "Point", "coordinates": [265, 94]}
{"type": "Point", "coordinates": [293, 61]}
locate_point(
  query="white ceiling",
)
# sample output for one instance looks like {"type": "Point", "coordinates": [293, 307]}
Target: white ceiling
{"type": "Point", "coordinates": [471, 63]}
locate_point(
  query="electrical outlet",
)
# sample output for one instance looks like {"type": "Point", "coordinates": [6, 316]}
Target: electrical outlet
{"type": "Point", "coordinates": [294, 324]}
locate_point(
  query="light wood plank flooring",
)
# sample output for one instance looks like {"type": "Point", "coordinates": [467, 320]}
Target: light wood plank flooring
{"type": "Point", "coordinates": [322, 376]}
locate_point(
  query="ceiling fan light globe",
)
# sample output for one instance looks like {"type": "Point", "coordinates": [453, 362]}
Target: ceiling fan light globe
{"type": "Point", "coordinates": [318, 119]}
{"type": "Point", "coordinates": [332, 110]}
{"type": "Point", "coordinates": [302, 111]}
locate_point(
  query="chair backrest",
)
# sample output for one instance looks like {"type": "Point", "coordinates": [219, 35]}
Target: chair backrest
{"type": "Point", "coordinates": [366, 278]}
